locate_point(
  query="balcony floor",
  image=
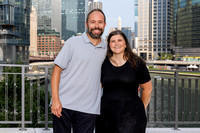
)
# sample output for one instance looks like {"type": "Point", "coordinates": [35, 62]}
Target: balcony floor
{"type": "Point", "coordinates": [149, 130]}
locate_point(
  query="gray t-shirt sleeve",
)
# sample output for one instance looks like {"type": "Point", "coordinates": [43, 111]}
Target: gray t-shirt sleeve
{"type": "Point", "coordinates": [64, 56]}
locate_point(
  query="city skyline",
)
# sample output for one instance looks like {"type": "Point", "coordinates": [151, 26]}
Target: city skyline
{"type": "Point", "coordinates": [113, 9]}
{"type": "Point", "coordinates": [162, 26]}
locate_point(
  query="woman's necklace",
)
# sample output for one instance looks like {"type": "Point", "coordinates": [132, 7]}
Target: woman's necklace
{"type": "Point", "coordinates": [117, 62]}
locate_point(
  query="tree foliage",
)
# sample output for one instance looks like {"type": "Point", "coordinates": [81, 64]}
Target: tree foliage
{"type": "Point", "coordinates": [164, 56]}
{"type": "Point", "coordinates": [11, 99]}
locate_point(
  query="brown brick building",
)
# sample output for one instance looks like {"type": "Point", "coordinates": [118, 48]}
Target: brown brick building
{"type": "Point", "coordinates": [48, 43]}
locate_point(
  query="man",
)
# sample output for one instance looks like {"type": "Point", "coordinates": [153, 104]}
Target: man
{"type": "Point", "coordinates": [75, 82]}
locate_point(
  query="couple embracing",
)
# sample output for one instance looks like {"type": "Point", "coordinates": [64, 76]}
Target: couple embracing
{"type": "Point", "coordinates": [84, 66]}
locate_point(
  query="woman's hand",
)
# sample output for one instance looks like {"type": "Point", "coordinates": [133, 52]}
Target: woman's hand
{"type": "Point", "coordinates": [146, 93]}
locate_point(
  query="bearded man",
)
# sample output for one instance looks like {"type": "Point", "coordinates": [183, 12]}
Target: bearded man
{"type": "Point", "coordinates": [75, 82]}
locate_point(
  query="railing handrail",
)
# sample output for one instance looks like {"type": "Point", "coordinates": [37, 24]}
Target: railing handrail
{"type": "Point", "coordinates": [46, 68]}
{"type": "Point", "coordinates": [17, 65]}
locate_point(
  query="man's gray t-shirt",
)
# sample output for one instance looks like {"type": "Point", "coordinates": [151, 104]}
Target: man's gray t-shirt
{"type": "Point", "coordinates": [79, 87]}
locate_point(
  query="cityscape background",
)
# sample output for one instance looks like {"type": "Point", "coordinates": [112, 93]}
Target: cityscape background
{"type": "Point", "coordinates": [165, 33]}
{"type": "Point", "coordinates": [36, 30]}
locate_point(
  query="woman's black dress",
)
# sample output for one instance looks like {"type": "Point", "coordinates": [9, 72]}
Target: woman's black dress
{"type": "Point", "coordinates": [122, 110]}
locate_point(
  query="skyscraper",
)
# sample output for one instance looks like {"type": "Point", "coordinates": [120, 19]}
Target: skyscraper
{"type": "Point", "coordinates": [33, 33]}
{"type": "Point", "coordinates": [153, 28]}
{"type": "Point", "coordinates": [73, 17]}
{"type": "Point", "coordinates": [136, 17]}
{"type": "Point", "coordinates": [186, 28]}
{"type": "Point", "coordinates": [94, 5]}
{"type": "Point", "coordinates": [161, 16]}
{"type": "Point", "coordinates": [14, 30]}
{"type": "Point", "coordinates": [128, 33]}
{"type": "Point", "coordinates": [49, 14]}
{"type": "Point", "coordinates": [143, 29]}
{"type": "Point", "coordinates": [119, 25]}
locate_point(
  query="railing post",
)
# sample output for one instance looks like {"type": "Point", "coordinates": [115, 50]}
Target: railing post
{"type": "Point", "coordinates": [155, 99]}
{"type": "Point", "coordinates": [6, 98]}
{"type": "Point", "coordinates": [46, 98]}
{"type": "Point", "coordinates": [176, 101]}
{"type": "Point", "coordinates": [23, 99]}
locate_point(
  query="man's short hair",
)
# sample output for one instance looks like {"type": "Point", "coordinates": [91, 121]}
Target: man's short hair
{"type": "Point", "coordinates": [98, 10]}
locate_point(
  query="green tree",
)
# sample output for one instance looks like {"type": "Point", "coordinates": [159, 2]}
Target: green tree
{"type": "Point", "coordinates": [166, 56]}
{"type": "Point", "coordinates": [10, 84]}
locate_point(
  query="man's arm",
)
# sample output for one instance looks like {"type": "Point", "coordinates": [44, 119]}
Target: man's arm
{"type": "Point", "coordinates": [56, 107]}
{"type": "Point", "coordinates": [146, 93]}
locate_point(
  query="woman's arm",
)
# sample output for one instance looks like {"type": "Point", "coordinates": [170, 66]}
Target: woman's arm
{"type": "Point", "coordinates": [146, 93]}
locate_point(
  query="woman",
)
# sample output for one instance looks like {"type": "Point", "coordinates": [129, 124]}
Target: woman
{"type": "Point", "coordinates": [122, 110]}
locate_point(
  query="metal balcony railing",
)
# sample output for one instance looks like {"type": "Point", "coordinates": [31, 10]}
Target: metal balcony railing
{"type": "Point", "coordinates": [175, 99]}
{"type": "Point", "coordinates": [25, 96]}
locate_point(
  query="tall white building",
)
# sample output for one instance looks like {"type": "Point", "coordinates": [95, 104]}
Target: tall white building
{"type": "Point", "coordinates": [119, 25]}
{"type": "Point", "coordinates": [144, 50]}
{"type": "Point", "coordinates": [33, 33]}
{"type": "Point", "coordinates": [94, 5]}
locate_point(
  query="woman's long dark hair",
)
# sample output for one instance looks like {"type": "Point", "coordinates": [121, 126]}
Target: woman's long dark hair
{"type": "Point", "coordinates": [128, 54]}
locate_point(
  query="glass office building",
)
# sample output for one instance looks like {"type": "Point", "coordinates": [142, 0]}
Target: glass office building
{"type": "Point", "coordinates": [161, 16]}
{"type": "Point", "coordinates": [186, 28]}
{"type": "Point", "coordinates": [73, 17]}
{"type": "Point", "coordinates": [49, 14]}
{"type": "Point", "coordinates": [136, 17]}
{"type": "Point", "coordinates": [14, 30]}
{"type": "Point", "coordinates": [128, 33]}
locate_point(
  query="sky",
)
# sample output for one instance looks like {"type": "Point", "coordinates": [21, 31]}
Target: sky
{"type": "Point", "coordinates": [115, 8]}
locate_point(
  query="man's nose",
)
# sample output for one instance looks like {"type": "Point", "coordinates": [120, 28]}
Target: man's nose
{"type": "Point", "coordinates": [97, 25]}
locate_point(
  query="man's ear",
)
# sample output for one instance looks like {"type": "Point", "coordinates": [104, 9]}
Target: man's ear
{"type": "Point", "coordinates": [86, 25]}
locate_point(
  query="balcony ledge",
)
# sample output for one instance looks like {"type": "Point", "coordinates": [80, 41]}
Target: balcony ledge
{"type": "Point", "coordinates": [148, 130]}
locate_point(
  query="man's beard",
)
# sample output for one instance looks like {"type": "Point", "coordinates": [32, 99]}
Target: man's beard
{"type": "Point", "coordinates": [95, 36]}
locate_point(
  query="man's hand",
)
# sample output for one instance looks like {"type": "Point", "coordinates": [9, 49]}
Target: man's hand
{"type": "Point", "coordinates": [56, 108]}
